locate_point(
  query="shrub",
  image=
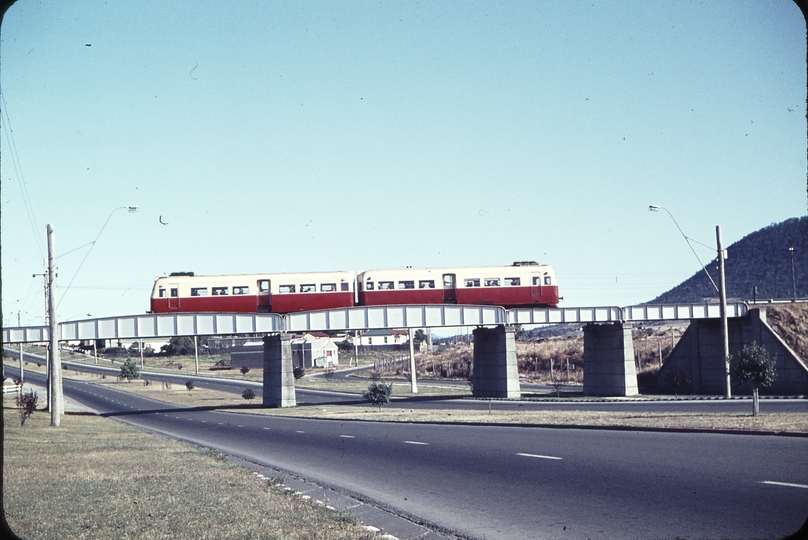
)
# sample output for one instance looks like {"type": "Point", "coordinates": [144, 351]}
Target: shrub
{"type": "Point", "coordinates": [129, 370]}
{"type": "Point", "coordinates": [244, 370]}
{"type": "Point", "coordinates": [248, 394]}
{"type": "Point", "coordinates": [375, 375]}
{"type": "Point", "coordinates": [379, 393]}
{"type": "Point", "coordinates": [27, 403]}
{"type": "Point", "coordinates": [298, 372]}
{"type": "Point", "coordinates": [189, 384]}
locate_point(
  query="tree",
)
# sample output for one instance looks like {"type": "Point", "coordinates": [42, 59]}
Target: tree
{"type": "Point", "coordinates": [248, 394]}
{"type": "Point", "coordinates": [379, 394]}
{"type": "Point", "coordinates": [756, 365]}
{"type": "Point", "coordinates": [189, 384]}
{"type": "Point", "coordinates": [129, 370]}
{"type": "Point", "coordinates": [244, 370]}
{"type": "Point", "coordinates": [178, 346]}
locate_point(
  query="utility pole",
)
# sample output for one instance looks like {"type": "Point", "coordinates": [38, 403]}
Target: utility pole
{"type": "Point", "coordinates": [722, 293]}
{"type": "Point", "coordinates": [55, 366]}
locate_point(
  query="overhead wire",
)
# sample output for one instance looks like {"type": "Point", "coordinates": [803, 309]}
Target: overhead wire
{"type": "Point", "coordinates": [15, 160]}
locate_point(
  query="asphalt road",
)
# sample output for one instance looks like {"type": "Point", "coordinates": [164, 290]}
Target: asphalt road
{"type": "Point", "coordinates": [306, 397]}
{"type": "Point", "coordinates": [515, 482]}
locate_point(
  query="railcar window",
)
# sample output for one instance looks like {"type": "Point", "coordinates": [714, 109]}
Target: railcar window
{"type": "Point", "coordinates": [385, 285]}
{"type": "Point", "coordinates": [199, 291]}
{"type": "Point", "coordinates": [309, 287]}
{"type": "Point", "coordinates": [492, 282]}
{"type": "Point", "coordinates": [547, 280]}
{"type": "Point", "coordinates": [536, 280]}
{"type": "Point", "coordinates": [241, 290]}
{"type": "Point", "coordinates": [219, 291]}
{"type": "Point", "coordinates": [263, 285]}
{"type": "Point", "coordinates": [344, 287]}
{"type": "Point", "coordinates": [175, 293]}
{"type": "Point", "coordinates": [162, 293]}
{"type": "Point", "coordinates": [426, 284]}
{"type": "Point", "coordinates": [328, 287]}
{"type": "Point", "coordinates": [406, 284]}
{"type": "Point", "coordinates": [286, 289]}
{"type": "Point", "coordinates": [472, 282]}
{"type": "Point", "coordinates": [513, 281]}
{"type": "Point", "coordinates": [369, 286]}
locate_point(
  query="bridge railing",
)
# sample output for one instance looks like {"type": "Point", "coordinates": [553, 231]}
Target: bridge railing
{"type": "Point", "coordinates": [165, 325]}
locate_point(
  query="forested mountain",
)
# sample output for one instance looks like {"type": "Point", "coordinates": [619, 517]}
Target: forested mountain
{"type": "Point", "coordinates": [761, 259]}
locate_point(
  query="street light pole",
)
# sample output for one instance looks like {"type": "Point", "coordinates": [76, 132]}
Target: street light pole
{"type": "Point", "coordinates": [721, 288]}
{"type": "Point", "coordinates": [793, 281]}
{"type": "Point", "coordinates": [55, 364]}
{"type": "Point", "coordinates": [723, 308]}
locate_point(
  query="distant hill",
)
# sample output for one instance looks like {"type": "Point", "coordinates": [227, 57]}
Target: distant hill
{"type": "Point", "coordinates": [761, 260]}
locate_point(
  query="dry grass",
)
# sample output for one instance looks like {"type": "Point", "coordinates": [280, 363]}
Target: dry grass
{"type": "Point", "coordinates": [791, 323]}
{"type": "Point", "coordinates": [97, 478]}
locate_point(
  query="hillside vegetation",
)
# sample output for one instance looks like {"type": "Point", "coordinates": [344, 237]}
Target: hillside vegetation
{"type": "Point", "coordinates": [761, 259]}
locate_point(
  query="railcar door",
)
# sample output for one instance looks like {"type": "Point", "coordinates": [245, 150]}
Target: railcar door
{"type": "Point", "coordinates": [173, 296]}
{"type": "Point", "coordinates": [535, 286]}
{"type": "Point", "coordinates": [449, 289]}
{"type": "Point", "coordinates": [264, 301]}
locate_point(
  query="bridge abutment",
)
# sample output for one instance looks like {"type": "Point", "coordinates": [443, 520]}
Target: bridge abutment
{"type": "Point", "coordinates": [279, 377]}
{"type": "Point", "coordinates": [609, 360]}
{"type": "Point", "coordinates": [495, 371]}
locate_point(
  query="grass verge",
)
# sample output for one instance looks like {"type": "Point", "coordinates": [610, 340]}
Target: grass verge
{"type": "Point", "coordinates": [97, 478]}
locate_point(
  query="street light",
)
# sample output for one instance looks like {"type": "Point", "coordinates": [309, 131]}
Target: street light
{"type": "Point", "coordinates": [793, 281]}
{"type": "Point", "coordinates": [657, 208]}
{"type": "Point", "coordinates": [130, 209]}
{"type": "Point", "coordinates": [722, 291]}
{"type": "Point", "coordinates": [55, 394]}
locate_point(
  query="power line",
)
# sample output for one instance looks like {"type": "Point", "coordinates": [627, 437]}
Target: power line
{"type": "Point", "coordinates": [15, 160]}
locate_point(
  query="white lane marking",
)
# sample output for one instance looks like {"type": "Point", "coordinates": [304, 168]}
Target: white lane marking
{"type": "Point", "coordinates": [347, 437]}
{"type": "Point", "coordinates": [786, 484]}
{"type": "Point", "coordinates": [300, 432]}
{"type": "Point", "coordinates": [416, 442]}
{"type": "Point", "coordinates": [239, 425]}
{"type": "Point", "coordinates": [537, 456]}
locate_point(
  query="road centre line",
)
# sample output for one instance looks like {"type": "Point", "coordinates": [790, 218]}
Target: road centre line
{"type": "Point", "coordinates": [786, 484]}
{"type": "Point", "coordinates": [537, 456]}
{"type": "Point", "coordinates": [416, 442]}
{"type": "Point", "coordinates": [347, 437]}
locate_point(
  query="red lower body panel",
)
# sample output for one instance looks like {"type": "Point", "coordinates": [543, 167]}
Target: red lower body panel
{"type": "Point", "coordinates": [509, 297]}
{"type": "Point", "coordinates": [280, 303]}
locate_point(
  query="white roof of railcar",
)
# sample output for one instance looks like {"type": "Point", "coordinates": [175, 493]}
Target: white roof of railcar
{"type": "Point", "coordinates": [476, 271]}
{"type": "Point", "coordinates": [230, 278]}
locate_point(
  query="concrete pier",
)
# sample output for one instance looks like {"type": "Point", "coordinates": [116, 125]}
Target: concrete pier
{"type": "Point", "coordinates": [279, 377]}
{"type": "Point", "coordinates": [495, 371]}
{"type": "Point", "coordinates": [609, 360]}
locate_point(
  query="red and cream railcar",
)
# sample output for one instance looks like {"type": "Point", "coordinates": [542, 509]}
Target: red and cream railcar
{"type": "Point", "coordinates": [253, 293]}
{"type": "Point", "coordinates": [519, 285]}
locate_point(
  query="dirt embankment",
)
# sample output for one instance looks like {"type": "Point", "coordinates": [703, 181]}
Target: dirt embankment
{"type": "Point", "coordinates": [790, 321]}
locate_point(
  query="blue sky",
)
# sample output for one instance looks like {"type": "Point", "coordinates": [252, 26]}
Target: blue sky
{"type": "Point", "coordinates": [297, 136]}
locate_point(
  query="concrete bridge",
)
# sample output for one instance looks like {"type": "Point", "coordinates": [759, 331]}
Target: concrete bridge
{"type": "Point", "coordinates": [608, 347]}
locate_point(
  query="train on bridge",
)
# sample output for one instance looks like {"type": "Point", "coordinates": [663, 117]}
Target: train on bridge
{"type": "Point", "coordinates": [522, 284]}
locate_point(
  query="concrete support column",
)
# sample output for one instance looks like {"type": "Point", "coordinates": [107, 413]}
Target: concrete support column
{"type": "Point", "coordinates": [495, 371]}
{"type": "Point", "coordinates": [279, 377]}
{"type": "Point", "coordinates": [609, 360]}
